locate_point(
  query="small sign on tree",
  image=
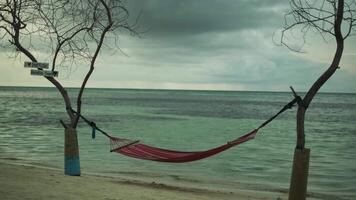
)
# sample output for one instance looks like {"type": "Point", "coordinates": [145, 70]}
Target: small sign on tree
{"type": "Point", "coordinates": [37, 65]}
{"type": "Point", "coordinates": [46, 73]}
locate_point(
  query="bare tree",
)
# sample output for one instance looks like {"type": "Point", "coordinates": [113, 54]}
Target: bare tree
{"type": "Point", "coordinates": [73, 31]}
{"type": "Point", "coordinates": [330, 19]}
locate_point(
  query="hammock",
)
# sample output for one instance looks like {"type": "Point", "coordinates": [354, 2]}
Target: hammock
{"type": "Point", "coordinates": [138, 150]}
{"type": "Point", "coordinates": [135, 149]}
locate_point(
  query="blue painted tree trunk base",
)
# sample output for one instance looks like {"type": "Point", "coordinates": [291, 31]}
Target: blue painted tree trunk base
{"type": "Point", "coordinates": [71, 165]}
{"type": "Point", "coordinates": [71, 152]}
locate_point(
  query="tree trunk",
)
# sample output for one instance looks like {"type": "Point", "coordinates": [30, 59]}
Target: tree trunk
{"type": "Point", "coordinates": [71, 152]}
{"type": "Point", "coordinates": [299, 179]}
{"type": "Point", "coordinates": [300, 169]}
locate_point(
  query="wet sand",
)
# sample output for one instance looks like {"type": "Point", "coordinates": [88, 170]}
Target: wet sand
{"type": "Point", "coordinates": [32, 182]}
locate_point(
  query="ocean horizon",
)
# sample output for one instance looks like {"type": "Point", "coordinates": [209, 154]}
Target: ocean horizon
{"type": "Point", "coordinates": [178, 89]}
{"type": "Point", "coordinates": [189, 120]}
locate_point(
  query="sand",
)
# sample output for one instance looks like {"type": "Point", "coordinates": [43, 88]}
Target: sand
{"type": "Point", "coordinates": [33, 182]}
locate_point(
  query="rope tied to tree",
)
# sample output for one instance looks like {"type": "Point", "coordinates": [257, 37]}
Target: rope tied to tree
{"type": "Point", "coordinates": [286, 107]}
{"type": "Point", "coordinates": [92, 125]}
{"type": "Point", "coordinates": [297, 99]}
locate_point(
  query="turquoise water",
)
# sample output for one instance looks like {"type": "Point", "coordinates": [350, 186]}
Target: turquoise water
{"type": "Point", "coordinates": [30, 133]}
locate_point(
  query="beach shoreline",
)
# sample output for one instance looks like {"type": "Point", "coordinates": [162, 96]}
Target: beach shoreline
{"type": "Point", "coordinates": [21, 181]}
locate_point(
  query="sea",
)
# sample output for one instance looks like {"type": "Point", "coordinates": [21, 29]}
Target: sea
{"type": "Point", "coordinates": [30, 133]}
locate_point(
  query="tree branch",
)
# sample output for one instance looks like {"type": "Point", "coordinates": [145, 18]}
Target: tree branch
{"type": "Point", "coordinates": [68, 28]}
{"type": "Point", "coordinates": [93, 60]}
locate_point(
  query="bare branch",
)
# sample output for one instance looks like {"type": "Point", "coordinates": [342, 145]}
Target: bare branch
{"type": "Point", "coordinates": [106, 28]}
{"type": "Point", "coordinates": [72, 31]}
{"type": "Point", "coordinates": [317, 15]}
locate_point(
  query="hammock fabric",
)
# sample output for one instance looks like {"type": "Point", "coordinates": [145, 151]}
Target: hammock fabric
{"type": "Point", "coordinates": [138, 150]}
{"type": "Point", "coordinates": [135, 149]}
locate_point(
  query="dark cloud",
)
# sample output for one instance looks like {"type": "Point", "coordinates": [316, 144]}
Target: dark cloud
{"type": "Point", "coordinates": [176, 17]}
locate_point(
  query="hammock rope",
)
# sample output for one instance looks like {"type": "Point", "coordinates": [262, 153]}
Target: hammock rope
{"type": "Point", "coordinates": [136, 149]}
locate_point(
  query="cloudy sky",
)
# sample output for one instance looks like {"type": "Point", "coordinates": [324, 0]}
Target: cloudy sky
{"type": "Point", "coordinates": [205, 44]}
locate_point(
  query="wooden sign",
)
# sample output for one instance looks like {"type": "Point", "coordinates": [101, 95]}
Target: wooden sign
{"type": "Point", "coordinates": [46, 73]}
{"type": "Point", "coordinates": [38, 65]}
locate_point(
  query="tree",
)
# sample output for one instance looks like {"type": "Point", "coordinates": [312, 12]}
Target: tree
{"type": "Point", "coordinates": [74, 32]}
{"type": "Point", "coordinates": [329, 18]}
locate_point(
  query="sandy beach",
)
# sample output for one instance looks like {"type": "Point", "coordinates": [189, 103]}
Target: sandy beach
{"type": "Point", "coordinates": [31, 182]}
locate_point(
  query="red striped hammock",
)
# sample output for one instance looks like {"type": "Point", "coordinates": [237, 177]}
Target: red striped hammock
{"type": "Point", "coordinates": [138, 150]}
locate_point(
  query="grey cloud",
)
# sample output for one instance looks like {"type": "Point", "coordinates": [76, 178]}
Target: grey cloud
{"type": "Point", "coordinates": [171, 17]}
